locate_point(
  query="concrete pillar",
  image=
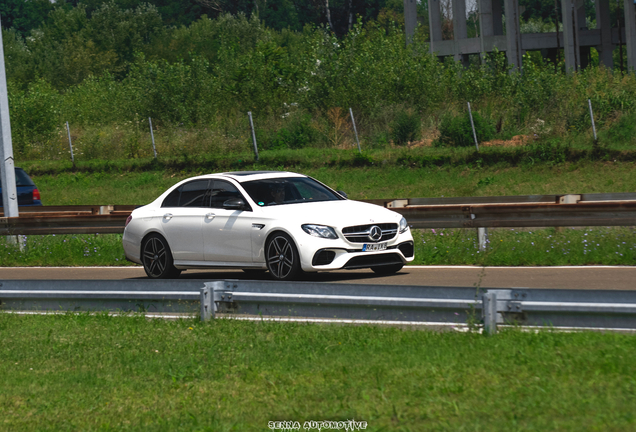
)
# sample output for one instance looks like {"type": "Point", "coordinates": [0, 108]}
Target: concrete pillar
{"type": "Point", "coordinates": [434, 23]}
{"type": "Point", "coordinates": [571, 49]}
{"type": "Point", "coordinates": [579, 6]}
{"type": "Point", "coordinates": [459, 29]}
{"type": "Point", "coordinates": [485, 24]}
{"type": "Point", "coordinates": [410, 19]}
{"type": "Point", "coordinates": [497, 20]}
{"type": "Point", "coordinates": [513, 35]}
{"type": "Point", "coordinates": [630, 34]}
{"type": "Point", "coordinates": [606, 48]}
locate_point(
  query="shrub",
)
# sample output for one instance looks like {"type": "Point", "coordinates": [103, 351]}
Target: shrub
{"type": "Point", "coordinates": [298, 133]}
{"type": "Point", "coordinates": [406, 128]}
{"type": "Point", "coordinates": [457, 131]}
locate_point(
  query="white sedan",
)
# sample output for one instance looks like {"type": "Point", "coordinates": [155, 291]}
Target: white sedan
{"type": "Point", "coordinates": [283, 222]}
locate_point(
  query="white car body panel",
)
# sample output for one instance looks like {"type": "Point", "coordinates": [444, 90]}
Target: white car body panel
{"type": "Point", "coordinates": [213, 237]}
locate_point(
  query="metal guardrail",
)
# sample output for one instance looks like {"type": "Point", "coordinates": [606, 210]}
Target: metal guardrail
{"type": "Point", "coordinates": [436, 306]}
{"type": "Point", "coordinates": [138, 295]}
{"type": "Point", "coordinates": [617, 209]}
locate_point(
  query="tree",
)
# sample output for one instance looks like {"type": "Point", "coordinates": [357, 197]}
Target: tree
{"type": "Point", "coordinates": [24, 15]}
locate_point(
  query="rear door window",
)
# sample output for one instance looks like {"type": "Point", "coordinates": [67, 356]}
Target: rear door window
{"type": "Point", "coordinates": [193, 194]}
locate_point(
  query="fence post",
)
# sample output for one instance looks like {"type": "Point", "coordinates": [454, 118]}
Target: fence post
{"type": "Point", "coordinates": [589, 103]}
{"type": "Point", "coordinates": [489, 306]}
{"type": "Point", "coordinates": [152, 135]}
{"type": "Point", "coordinates": [249, 113]}
{"type": "Point", "coordinates": [70, 143]}
{"type": "Point", "coordinates": [482, 235]}
{"type": "Point", "coordinates": [207, 303]}
{"type": "Point", "coordinates": [353, 121]}
{"type": "Point", "coordinates": [472, 124]}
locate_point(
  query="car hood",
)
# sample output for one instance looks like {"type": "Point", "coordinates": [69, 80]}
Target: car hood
{"type": "Point", "coordinates": [340, 213]}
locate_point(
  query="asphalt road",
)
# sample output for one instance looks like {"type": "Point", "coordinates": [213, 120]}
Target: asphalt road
{"type": "Point", "coordinates": [592, 277]}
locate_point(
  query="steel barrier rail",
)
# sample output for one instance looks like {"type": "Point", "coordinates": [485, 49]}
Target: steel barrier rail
{"type": "Point", "coordinates": [437, 306]}
{"type": "Point", "coordinates": [615, 213]}
{"type": "Point", "coordinates": [516, 211]}
{"type": "Point", "coordinates": [136, 295]}
{"type": "Point", "coordinates": [441, 305]}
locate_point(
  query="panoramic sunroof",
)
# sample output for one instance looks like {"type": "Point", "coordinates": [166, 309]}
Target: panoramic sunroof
{"type": "Point", "coordinates": [246, 173]}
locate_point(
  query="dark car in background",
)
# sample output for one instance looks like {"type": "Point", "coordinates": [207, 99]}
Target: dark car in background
{"type": "Point", "coordinates": [28, 193]}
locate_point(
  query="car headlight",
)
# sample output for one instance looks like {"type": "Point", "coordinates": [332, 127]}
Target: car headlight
{"type": "Point", "coordinates": [403, 225]}
{"type": "Point", "coordinates": [320, 231]}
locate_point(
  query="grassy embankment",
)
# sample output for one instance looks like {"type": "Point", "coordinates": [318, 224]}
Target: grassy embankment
{"type": "Point", "coordinates": [82, 372]}
{"type": "Point", "coordinates": [508, 247]}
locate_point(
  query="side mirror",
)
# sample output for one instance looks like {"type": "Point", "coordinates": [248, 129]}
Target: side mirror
{"type": "Point", "coordinates": [234, 204]}
{"type": "Point", "coordinates": [343, 194]}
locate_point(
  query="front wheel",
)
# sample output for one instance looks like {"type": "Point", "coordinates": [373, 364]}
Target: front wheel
{"type": "Point", "coordinates": [157, 258]}
{"type": "Point", "coordinates": [387, 269]}
{"type": "Point", "coordinates": [283, 261]}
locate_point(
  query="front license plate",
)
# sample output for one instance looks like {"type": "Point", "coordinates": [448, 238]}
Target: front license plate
{"type": "Point", "coordinates": [373, 247]}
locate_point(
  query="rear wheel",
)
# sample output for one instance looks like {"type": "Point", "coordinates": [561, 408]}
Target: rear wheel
{"type": "Point", "coordinates": [157, 258]}
{"type": "Point", "coordinates": [283, 261]}
{"type": "Point", "coordinates": [387, 269]}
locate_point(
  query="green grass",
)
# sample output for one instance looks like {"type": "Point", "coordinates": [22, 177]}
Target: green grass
{"type": "Point", "coordinates": [507, 247]}
{"type": "Point", "coordinates": [83, 372]}
{"type": "Point", "coordinates": [527, 247]}
{"type": "Point", "coordinates": [360, 183]}
{"type": "Point", "coordinates": [63, 250]}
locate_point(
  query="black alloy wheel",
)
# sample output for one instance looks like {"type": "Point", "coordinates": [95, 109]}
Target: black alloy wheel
{"type": "Point", "coordinates": [282, 257]}
{"type": "Point", "coordinates": [387, 269]}
{"type": "Point", "coordinates": [157, 258]}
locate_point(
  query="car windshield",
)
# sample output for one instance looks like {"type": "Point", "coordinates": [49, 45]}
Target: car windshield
{"type": "Point", "coordinates": [288, 190]}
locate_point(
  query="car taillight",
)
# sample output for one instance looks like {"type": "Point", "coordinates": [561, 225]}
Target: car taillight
{"type": "Point", "coordinates": [128, 219]}
{"type": "Point", "coordinates": [36, 194]}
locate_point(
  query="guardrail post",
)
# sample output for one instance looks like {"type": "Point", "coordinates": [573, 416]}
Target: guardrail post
{"type": "Point", "coordinates": [482, 235]}
{"type": "Point", "coordinates": [207, 303]}
{"type": "Point", "coordinates": [490, 312]}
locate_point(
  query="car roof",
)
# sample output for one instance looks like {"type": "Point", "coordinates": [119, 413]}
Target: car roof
{"type": "Point", "coordinates": [244, 176]}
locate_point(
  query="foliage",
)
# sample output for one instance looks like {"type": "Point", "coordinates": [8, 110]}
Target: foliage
{"type": "Point", "coordinates": [406, 128]}
{"type": "Point", "coordinates": [209, 74]}
{"type": "Point", "coordinates": [35, 116]}
{"type": "Point", "coordinates": [298, 132]}
{"type": "Point", "coordinates": [457, 131]}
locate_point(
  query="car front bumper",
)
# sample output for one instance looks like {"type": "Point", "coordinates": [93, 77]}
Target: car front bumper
{"type": "Point", "coordinates": [324, 255]}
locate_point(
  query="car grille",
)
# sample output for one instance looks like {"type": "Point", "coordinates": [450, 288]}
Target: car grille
{"type": "Point", "coordinates": [365, 261]}
{"type": "Point", "coordinates": [360, 233]}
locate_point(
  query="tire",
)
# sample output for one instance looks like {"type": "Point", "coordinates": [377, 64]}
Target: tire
{"type": "Point", "coordinates": [157, 258]}
{"type": "Point", "coordinates": [387, 269]}
{"type": "Point", "coordinates": [281, 255]}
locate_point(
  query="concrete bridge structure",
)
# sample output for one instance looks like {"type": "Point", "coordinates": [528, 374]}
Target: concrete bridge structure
{"type": "Point", "coordinates": [575, 38]}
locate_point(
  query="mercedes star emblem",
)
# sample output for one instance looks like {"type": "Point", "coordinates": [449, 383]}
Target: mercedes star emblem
{"type": "Point", "coordinates": [375, 233]}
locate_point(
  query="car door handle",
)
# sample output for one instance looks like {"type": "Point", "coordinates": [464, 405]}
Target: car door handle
{"type": "Point", "coordinates": [210, 216]}
{"type": "Point", "coordinates": [167, 216]}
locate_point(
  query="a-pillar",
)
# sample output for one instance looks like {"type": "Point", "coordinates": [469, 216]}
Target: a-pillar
{"type": "Point", "coordinates": [434, 23]}
{"type": "Point", "coordinates": [606, 48]}
{"type": "Point", "coordinates": [571, 49]}
{"type": "Point", "coordinates": [410, 19]}
{"type": "Point", "coordinates": [630, 34]}
{"type": "Point", "coordinates": [459, 30]}
{"type": "Point", "coordinates": [485, 24]}
{"type": "Point", "coordinates": [513, 34]}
